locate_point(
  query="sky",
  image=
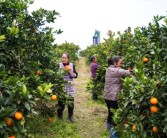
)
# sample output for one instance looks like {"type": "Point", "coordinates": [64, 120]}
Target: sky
{"type": "Point", "coordinates": [80, 18]}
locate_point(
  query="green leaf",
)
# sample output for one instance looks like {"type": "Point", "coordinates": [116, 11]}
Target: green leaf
{"type": "Point", "coordinates": [125, 104]}
{"type": "Point", "coordinates": [134, 102]}
{"type": "Point", "coordinates": [27, 105]}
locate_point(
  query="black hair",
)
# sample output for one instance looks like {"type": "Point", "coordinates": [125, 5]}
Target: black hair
{"type": "Point", "coordinates": [114, 59]}
{"type": "Point", "coordinates": [92, 58]}
{"type": "Point", "coordinates": [68, 55]}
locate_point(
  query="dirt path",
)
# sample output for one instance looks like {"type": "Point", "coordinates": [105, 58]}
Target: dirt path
{"type": "Point", "coordinates": [90, 115]}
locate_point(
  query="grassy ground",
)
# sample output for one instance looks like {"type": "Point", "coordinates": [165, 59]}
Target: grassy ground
{"type": "Point", "coordinates": [90, 115]}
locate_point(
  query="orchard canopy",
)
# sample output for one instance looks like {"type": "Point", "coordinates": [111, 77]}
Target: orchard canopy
{"type": "Point", "coordinates": [29, 73]}
{"type": "Point", "coordinates": [144, 51]}
{"type": "Point", "coordinates": [31, 81]}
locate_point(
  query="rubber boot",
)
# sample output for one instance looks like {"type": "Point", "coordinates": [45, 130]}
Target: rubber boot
{"type": "Point", "coordinates": [70, 115]}
{"type": "Point", "coordinates": [113, 133]}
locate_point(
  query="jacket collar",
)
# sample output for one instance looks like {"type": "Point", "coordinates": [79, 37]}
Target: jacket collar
{"type": "Point", "coordinates": [112, 66]}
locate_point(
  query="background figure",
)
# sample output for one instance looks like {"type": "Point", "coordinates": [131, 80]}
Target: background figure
{"type": "Point", "coordinates": [113, 85]}
{"type": "Point", "coordinates": [69, 88]}
{"type": "Point", "coordinates": [93, 68]}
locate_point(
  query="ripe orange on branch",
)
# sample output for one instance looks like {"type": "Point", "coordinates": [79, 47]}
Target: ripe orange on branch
{"type": "Point", "coordinates": [50, 119]}
{"type": "Point", "coordinates": [53, 97]}
{"type": "Point", "coordinates": [154, 109]}
{"type": "Point", "coordinates": [9, 122]}
{"type": "Point", "coordinates": [134, 127]}
{"type": "Point", "coordinates": [155, 129]}
{"type": "Point", "coordinates": [145, 60]}
{"type": "Point", "coordinates": [18, 115]}
{"type": "Point", "coordinates": [153, 100]}
{"type": "Point", "coordinates": [38, 72]}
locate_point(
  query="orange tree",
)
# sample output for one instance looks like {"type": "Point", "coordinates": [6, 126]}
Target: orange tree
{"type": "Point", "coordinates": [29, 73]}
{"type": "Point", "coordinates": [97, 83]}
{"type": "Point", "coordinates": [113, 45]}
{"type": "Point", "coordinates": [147, 56]}
{"type": "Point", "coordinates": [70, 48]}
{"type": "Point", "coordinates": [143, 51]}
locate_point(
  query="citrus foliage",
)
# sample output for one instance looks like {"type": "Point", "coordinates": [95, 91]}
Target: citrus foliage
{"type": "Point", "coordinates": [70, 48]}
{"type": "Point", "coordinates": [30, 78]}
{"type": "Point", "coordinates": [143, 51]}
{"type": "Point", "coordinates": [150, 81]}
{"type": "Point", "coordinates": [28, 70]}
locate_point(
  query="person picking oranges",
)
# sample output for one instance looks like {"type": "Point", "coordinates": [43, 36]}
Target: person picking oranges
{"type": "Point", "coordinates": [112, 87]}
{"type": "Point", "coordinates": [68, 87]}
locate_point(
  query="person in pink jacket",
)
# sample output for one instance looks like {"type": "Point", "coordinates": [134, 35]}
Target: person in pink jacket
{"type": "Point", "coordinates": [113, 85]}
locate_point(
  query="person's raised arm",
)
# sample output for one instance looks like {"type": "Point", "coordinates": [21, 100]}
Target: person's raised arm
{"type": "Point", "coordinates": [123, 73]}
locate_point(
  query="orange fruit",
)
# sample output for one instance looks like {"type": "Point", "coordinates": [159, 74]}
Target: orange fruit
{"type": "Point", "coordinates": [50, 119]}
{"type": "Point", "coordinates": [153, 100]}
{"type": "Point", "coordinates": [11, 137]}
{"type": "Point", "coordinates": [53, 97]}
{"type": "Point", "coordinates": [155, 129]}
{"type": "Point", "coordinates": [38, 72]}
{"type": "Point", "coordinates": [134, 127]}
{"type": "Point", "coordinates": [68, 68]}
{"type": "Point", "coordinates": [154, 109]}
{"type": "Point", "coordinates": [18, 115]}
{"type": "Point", "coordinates": [9, 121]}
{"type": "Point", "coordinates": [145, 60]}
{"type": "Point", "coordinates": [129, 69]}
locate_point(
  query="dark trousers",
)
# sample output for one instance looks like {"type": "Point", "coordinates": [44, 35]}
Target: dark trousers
{"type": "Point", "coordinates": [94, 91]}
{"type": "Point", "coordinates": [111, 104]}
{"type": "Point", "coordinates": [61, 107]}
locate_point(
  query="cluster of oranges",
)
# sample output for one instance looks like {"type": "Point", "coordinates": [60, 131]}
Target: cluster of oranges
{"type": "Point", "coordinates": [154, 109]}
{"type": "Point", "coordinates": [53, 98]}
{"type": "Point", "coordinates": [9, 121]}
{"type": "Point", "coordinates": [153, 101]}
{"type": "Point", "coordinates": [17, 116]}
